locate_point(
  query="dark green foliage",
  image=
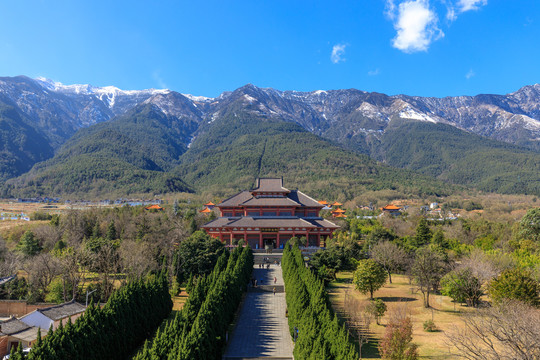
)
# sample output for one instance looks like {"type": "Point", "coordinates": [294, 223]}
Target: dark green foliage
{"type": "Point", "coordinates": [369, 276]}
{"type": "Point", "coordinates": [198, 330]}
{"type": "Point", "coordinates": [462, 286]}
{"type": "Point", "coordinates": [127, 155]}
{"type": "Point", "coordinates": [460, 157]}
{"type": "Point", "coordinates": [529, 226]}
{"type": "Point", "coordinates": [320, 335]}
{"type": "Point", "coordinates": [21, 146]}
{"type": "Point", "coordinates": [515, 284]}
{"type": "Point", "coordinates": [231, 152]}
{"type": "Point", "coordinates": [112, 332]}
{"type": "Point", "coordinates": [29, 244]}
{"type": "Point", "coordinates": [423, 234]}
{"type": "Point", "coordinates": [335, 258]}
{"type": "Point", "coordinates": [16, 289]}
{"type": "Point", "coordinates": [197, 255]}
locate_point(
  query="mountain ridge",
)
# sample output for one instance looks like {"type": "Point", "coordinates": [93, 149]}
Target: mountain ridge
{"type": "Point", "coordinates": [356, 120]}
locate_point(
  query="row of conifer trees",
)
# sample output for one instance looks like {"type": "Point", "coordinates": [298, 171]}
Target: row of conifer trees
{"type": "Point", "coordinates": [198, 330]}
{"type": "Point", "coordinates": [312, 323]}
{"type": "Point", "coordinates": [110, 332]}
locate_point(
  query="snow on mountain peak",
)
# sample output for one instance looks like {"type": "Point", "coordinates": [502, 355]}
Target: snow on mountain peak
{"type": "Point", "coordinates": [105, 93]}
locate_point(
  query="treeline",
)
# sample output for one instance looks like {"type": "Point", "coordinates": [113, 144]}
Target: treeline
{"type": "Point", "coordinates": [112, 332]}
{"type": "Point", "coordinates": [311, 321]}
{"type": "Point", "coordinates": [198, 330]}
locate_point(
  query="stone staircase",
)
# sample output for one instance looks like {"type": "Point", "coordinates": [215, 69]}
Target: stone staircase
{"type": "Point", "coordinates": [267, 288]}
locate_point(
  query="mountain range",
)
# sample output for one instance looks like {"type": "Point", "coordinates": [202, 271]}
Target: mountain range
{"type": "Point", "coordinates": [78, 139]}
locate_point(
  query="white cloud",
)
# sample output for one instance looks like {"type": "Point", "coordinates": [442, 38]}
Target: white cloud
{"type": "Point", "coordinates": [374, 72]}
{"type": "Point", "coordinates": [451, 13]}
{"type": "Point", "coordinates": [416, 26]}
{"type": "Point", "coordinates": [470, 74]}
{"type": "Point", "coordinates": [337, 53]}
{"type": "Point", "coordinates": [467, 5]}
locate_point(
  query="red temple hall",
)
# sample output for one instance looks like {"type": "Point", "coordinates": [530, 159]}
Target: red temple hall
{"type": "Point", "coordinates": [269, 215]}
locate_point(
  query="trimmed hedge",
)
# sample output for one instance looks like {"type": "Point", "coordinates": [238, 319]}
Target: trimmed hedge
{"type": "Point", "coordinates": [320, 335]}
{"type": "Point", "coordinates": [198, 330]}
{"type": "Point", "coordinates": [112, 332]}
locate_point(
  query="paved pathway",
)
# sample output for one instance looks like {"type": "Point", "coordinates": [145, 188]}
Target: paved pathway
{"type": "Point", "coordinates": [262, 329]}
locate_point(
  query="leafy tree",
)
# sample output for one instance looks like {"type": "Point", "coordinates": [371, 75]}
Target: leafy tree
{"type": "Point", "coordinates": [396, 343]}
{"type": "Point", "coordinates": [376, 308]}
{"type": "Point", "coordinates": [423, 234]}
{"type": "Point", "coordinates": [29, 244]}
{"type": "Point", "coordinates": [197, 255]}
{"type": "Point", "coordinates": [529, 226]}
{"type": "Point", "coordinates": [370, 276]}
{"type": "Point", "coordinates": [515, 284]}
{"type": "Point", "coordinates": [428, 269]}
{"type": "Point", "coordinates": [380, 234]}
{"type": "Point", "coordinates": [439, 239]}
{"type": "Point", "coordinates": [111, 232]}
{"type": "Point", "coordinates": [462, 286]}
{"type": "Point", "coordinates": [334, 258]}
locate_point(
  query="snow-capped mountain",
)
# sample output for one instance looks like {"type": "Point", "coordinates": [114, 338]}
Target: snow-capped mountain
{"type": "Point", "coordinates": [354, 118]}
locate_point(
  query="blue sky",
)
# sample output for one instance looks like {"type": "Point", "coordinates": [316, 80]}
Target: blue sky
{"type": "Point", "coordinates": [416, 47]}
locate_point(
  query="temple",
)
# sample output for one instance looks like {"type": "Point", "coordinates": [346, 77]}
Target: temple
{"type": "Point", "coordinates": [268, 216]}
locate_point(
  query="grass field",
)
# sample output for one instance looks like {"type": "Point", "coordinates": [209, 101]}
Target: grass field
{"type": "Point", "coordinates": [401, 294]}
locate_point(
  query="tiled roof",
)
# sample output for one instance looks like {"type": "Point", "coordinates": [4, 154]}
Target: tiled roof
{"type": "Point", "coordinates": [30, 334]}
{"type": "Point", "coordinates": [237, 199]}
{"type": "Point", "coordinates": [303, 199]}
{"type": "Point", "coordinates": [270, 202]}
{"type": "Point", "coordinates": [13, 326]}
{"type": "Point", "coordinates": [270, 222]}
{"type": "Point", "coordinates": [61, 311]}
{"type": "Point", "coordinates": [294, 198]}
{"type": "Point", "coordinates": [269, 185]}
{"type": "Point", "coordinates": [206, 210]}
{"type": "Point", "coordinates": [154, 207]}
{"type": "Point", "coordinates": [391, 207]}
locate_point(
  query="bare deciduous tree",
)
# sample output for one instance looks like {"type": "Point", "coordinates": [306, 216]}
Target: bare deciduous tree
{"type": "Point", "coordinates": [42, 269]}
{"type": "Point", "coordinates": [390, 256]}
{"type": "Point", "coordinates": [428, 269]}
{"type": "Point", "coordinates": [136, 257]}
{"type": "Point", "coordinates": [509, 330]}
{"type": "Point", "coordinates": [358, 319]}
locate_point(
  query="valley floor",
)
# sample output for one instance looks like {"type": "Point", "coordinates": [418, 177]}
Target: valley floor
{"type": "Point", "coordinates": [402, 296]}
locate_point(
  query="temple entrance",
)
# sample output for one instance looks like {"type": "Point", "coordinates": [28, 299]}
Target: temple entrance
{"type": "Point", "coordinates": [270, 242]}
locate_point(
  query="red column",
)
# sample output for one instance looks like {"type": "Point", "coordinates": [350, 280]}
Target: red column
{"type": "Point", "coordinates": [318, 240]}
{"type": "Point", "coordinates": [260, 241]}
{"type": "Point", "coordinates": [277, 240]}
{"type": "Point", "coordinates": [231, 239]}
{"type": "Point", "coordinates": [245, 238]}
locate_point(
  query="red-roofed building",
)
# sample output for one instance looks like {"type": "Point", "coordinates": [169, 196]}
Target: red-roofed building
{"type": "Point", "coordinates": [206, 210]}
{"type": "Point", "coordinates": [269, 215]}
{"type": "Point", "coordinates": [154, 207]}
{"type": "Point", "coordinates": [391, 209]}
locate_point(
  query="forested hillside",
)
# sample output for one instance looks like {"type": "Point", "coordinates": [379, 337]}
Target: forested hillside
{"type": "Point", "coordinates": [20, 145]}
{"type": "Point", "coordinates": [241, 146]}
{"type": "Point", "coordinates": [127, 155]}
{"type": "Point", "coordinates": [453, 155]}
